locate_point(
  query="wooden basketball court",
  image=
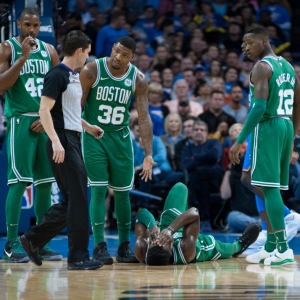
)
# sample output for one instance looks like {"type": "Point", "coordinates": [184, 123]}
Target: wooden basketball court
{"type": "Point", "coordinates": [222, 279]}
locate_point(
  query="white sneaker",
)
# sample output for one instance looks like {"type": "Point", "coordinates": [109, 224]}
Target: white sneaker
{"type": "Point", "coordinates": [261, 240]}
{"type": "Point", "coordinates": [259, 257]}
{"type": "Point", "coordinates": [280, 259]}
{"type": "Point", "coordinates": [292, 224]}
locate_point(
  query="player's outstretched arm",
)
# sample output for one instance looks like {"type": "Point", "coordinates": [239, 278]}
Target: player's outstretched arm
{"type": "Point", "coordinates": [190, 220]}
{"type": "Point", "coordinates": [296, 107]}
{"type": "Point", "coordinates": [145, 124]}
{"type": "Point", "coordinates": [88, 75]}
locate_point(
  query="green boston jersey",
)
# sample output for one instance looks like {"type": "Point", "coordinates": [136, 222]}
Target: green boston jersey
{"type": "Point", "coordinates": [25, 95]}
{"type": "Point", "coordinates": [281, 88]}
{"type": "Point", "coordinates": [109, 98]}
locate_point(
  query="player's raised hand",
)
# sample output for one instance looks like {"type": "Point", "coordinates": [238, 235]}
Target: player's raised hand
{"type": "Point", "coordinates": [37, 126]}
{"type": "Point", "coordinates": [234, 153]}
{"type": "Point", "coordinates": [147, 168]}
{"type": "Point", "coordinates": [165, 237]}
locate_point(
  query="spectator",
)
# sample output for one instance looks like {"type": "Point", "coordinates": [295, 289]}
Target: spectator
{"type": "Point", "coordinates": [166, 7]}
{"type": "Point", "coordinates": [279, 43]}
{"type": "Point", "coordinates": [148, 23]}
{"type": "Point", "coordinates": [231, 76]}
{"type": "Point", "coordinates": [173, 128]}
{"type": "Point", "coordinates": [160, 57]}
{"type": "Point", "coordinates": [143, 48]}
{"type": "Point", "coordinates": [143, 63]}
{"type": "Point", "coordinates": [186, 63]}
{"type": "Point", "coordinates": [174, 64]}
{"type": "Point", "coordinates": [190, 78]}
{"type": "Point", "coordinates": [202, 93]}
{"type": "Point", "coordinates": [198, 46]}
{"type": "Point", "coordinates": [279, 16]}
{"type": "Point", "coordinates": [167, 83]}
{"type": "Point", "coordinates": [221, 133]}
{"type": "Point", "coordinates": [200, 73]}
{"type": "Point", "coordinates": [154, 76]}
{"type": "Point", "coordinates": [215, 70]}
{"type": "Point", "coordinates": [188, 138]}
{"type": "Point", "coordinates": [246, 67]}
{"type": "Point", "coordinates": [215, 114]}
{"type": "Point", "coordinates": [242, 201]}
{"type": "Point", "coordinates": [110, 33]}
{"type": "Point", "coordinates": [220, 7]}
{"type": "Point", "coordinates": [201, 159]}
{"type": "Point", "coordinates": [247, 14]}
{"type": "Point", "coordinates": [184, 109]}
{"type": "Point", "coordinates": [157, 111]}
{"type": "Point", "coordinates": [235, 107]}
{"type": "Point", "coordinates": [234, 39]}
{"type": "Point", "coordinates": [232, 59]}
{"type": "Point", "coordinates": [166, 27]}
{"type": "Point", "coordinates": [212, 53]}
{"type": "Point", "coordinates": [180, 90]}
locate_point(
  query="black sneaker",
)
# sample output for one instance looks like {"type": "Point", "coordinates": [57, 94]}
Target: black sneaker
{"type": "Point", "coordinates": [14, 253]}
{"type": "Point", "coordinates": [125, 255]}
{"type": "Point", "coordinates": [46, 253]}
{"type": "Point", "coordinates": [33, 253]}
{"type": "Point", "coordinates": [85, 265]}
{"type": "Point", "coordinates": [248, 237]}
{"type": "Point", "coordinates": [100, 254]}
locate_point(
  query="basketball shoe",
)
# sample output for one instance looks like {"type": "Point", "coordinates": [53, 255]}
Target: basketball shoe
{"type": "Point", "coordinates": [259, 257]}
{"type": "Point", "coordinates": [100, 253]}
{"type": "Point", "coordinates": [280, 259]}
{"type": "Point", "coordinates": [14, 253]}
{"type": "Point", "coordinates": [47, 254]}
{"type": "Point", "coordinates": [125, 255]}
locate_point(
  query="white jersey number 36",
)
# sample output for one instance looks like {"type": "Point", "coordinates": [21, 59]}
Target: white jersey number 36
{"type": "Point", "coordinates": [114, 115]}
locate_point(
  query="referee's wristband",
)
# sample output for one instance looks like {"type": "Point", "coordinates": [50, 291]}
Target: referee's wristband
{"type": "Point", "coordinates": [171, 229]}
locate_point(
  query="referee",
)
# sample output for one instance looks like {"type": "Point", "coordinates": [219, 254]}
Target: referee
{"type": "Point", "coordinates": [60, 113]}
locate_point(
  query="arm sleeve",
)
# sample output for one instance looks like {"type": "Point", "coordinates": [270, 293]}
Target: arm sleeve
{"type": "Point", "coordinates": [255, 115]}
{"type": "Point", "coordinates": [146, 218]}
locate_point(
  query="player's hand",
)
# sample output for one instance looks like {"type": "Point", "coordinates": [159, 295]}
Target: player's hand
{"type": "Point", "coordinates": [147, 168]}
{"type": "Point", "coordinates": [96, 131]}
{"type": "Point", "coordinates": [234, 153]}
{"type": "Point", "coordinates": [37, 126]}
{"type": "Point", "coordinates": [58, 152]}
{"type": "Point", "coordinates": [294, 158]}
{"type": "Point", "coordinates": [165, 237]}
{"type": "Point", "coordinates": [154, 234]}
{"type": "Point", "coordinates": [27, 46]}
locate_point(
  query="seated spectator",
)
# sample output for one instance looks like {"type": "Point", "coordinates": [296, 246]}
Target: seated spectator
{"type": "Point", "coordinates": [201, 159]}
{"type": "Point", "coordinates": [246, 67]}
{"type": "Point", "coordinates": [166, 27]}
{"type": "Point", "coordinates": [279, 43]}
{"type": "Point", "coordinates": [215, 71]}
{"type": "Point", "coordinates": [143, 48]}
{"type": "Point", "coordinates": [232, 59]}
{"type": "Point", "coordinates": [235, 108]}
{"type": "Point", "coordinates": [242, 200]}
{"type": "Point", "coordinates": [143, 64]}
{"type": "Point", "coordinates": [234, 39]}
{"type": "Point", "coordinates": [187, 125]}
{"type": "Point", "coordinates": [221, 133]}
{"type": "Point", "coordinates": [231, 76]}
{"type": "Point", "coordinates": [157, 111]}
{"type": "Point", "coordinates": [174, 64]}
{"type": "Point", "coordinates": [167, 83]}
{"type": "Point", "coordinates": [190, 78]}
{"type": "Point", "coordinates": [215, 114]}
{"type": "Point", "coordinates": [110, 33]}
{"type": "Point", "coordinates": [160, 58]}
{"type": "Point", "coordinates": [200, 73]}
{"type": "Point", "coordinates": [162, 171]}
{"type": "Point", "coordinates": [279, 16]}
{"type": "Point", "coordinates": [212, 54]}
{"type": "Point", "coordinates": [181, 89]}
{"type": "Point", "coordinates": [202, 93]}
{"type": "Point", "coordinates": [154, 76]}
{"type": "Point", "coordinates": [185, 63]}
{"type": "Point", "coordinates": [173, 128]}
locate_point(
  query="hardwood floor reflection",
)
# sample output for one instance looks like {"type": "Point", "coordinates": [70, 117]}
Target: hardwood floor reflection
{"type": "Point", "coordinates": [221, 279]}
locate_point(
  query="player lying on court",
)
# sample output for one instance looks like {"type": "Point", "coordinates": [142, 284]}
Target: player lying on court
{"type": "Point", "coordinates": [178, 240]}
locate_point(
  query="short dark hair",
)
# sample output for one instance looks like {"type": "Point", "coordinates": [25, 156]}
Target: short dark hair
{"type": "Point", "coordinates": [217, 92]}
{"type": "Point", "coordinates": [127, 42]}
{"type": "Point", "coordinates": [29, 11]}
{"type": "Point", "coordinates": [199, 122]}
{"type": "Point", "coordinates": [234, 86]}
{"type": "Point", "coordinates": [157, 256]}
{"type": "Point", "coordinates": [74, 40]}
{"type": "Point", "coordinates": [257, 29]}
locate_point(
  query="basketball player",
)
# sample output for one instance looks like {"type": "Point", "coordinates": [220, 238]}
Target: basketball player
{"type": "Point", "coordinates": [24, 62]}
{"type": "Point", "coordinates": [274, 88]}
{"type": "Point", "coordinates": [108, 85]}
{"type": "Point", "coordinates": [179, 241]}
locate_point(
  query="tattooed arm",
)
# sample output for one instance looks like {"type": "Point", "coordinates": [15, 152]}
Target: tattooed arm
{"type": "Point", "coordinates": [88, 75]}
{"type": "Point", "coordinates": [145, 124]}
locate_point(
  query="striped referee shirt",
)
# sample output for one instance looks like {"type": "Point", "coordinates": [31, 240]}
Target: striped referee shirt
{"type": "Point", "coordinates": [63, 85]}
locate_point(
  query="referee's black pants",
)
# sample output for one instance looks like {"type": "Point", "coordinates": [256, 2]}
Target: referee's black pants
{"type": "Point", "coordinates": [72, 211]}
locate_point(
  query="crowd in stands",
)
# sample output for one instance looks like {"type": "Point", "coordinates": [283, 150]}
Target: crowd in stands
{"type": "Point", "coordinates": [190, 52]}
